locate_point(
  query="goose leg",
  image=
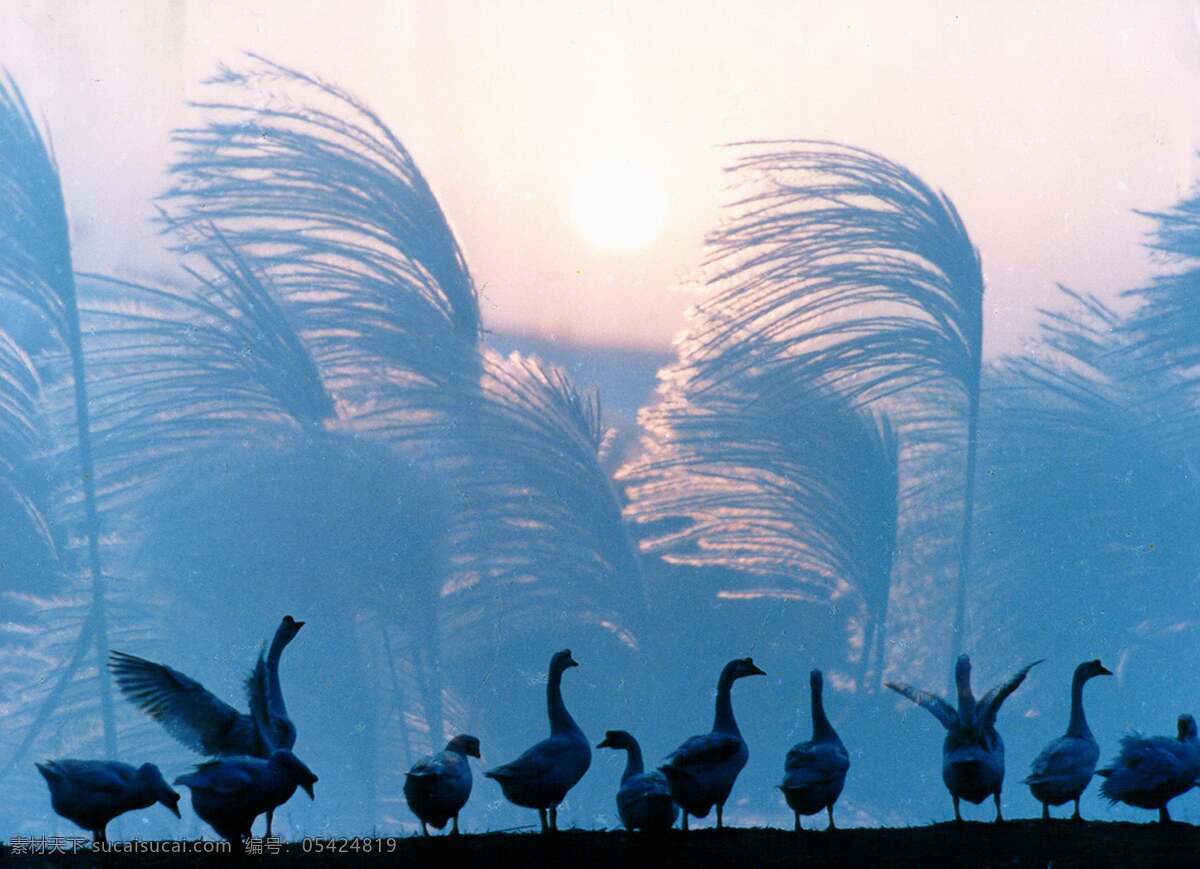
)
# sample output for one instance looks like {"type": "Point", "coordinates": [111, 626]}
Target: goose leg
{"type": "Point", "coordinates": [957, 814]}
{"type": "Point", "coordinates": [554, 818]}
{"type": "Point", "coordinates": [1164, 817]}
{"type": "Point", "coordinates": [685, 826]}
{"type": "Point", "coordinates": [999, 815]}
{"type": "Point", "coordinates": [798, 827]}
{"type": "Point", "coordinates": [270, 817]}
{"type": "Point", "coordinates": [1077, 816]}
{"type": "Point", "coordinates": [542, 818]}
{"type": "Point", "coordinates": [454, 829]}
{"type": "Point", "coordinates": [1045, 811]}
{"type": "Point", "coordinates": [829, 808]}
{"type": "Point", "coordinates": [720, 820]}
{"type": "Point", "coordinates": [424, 829]}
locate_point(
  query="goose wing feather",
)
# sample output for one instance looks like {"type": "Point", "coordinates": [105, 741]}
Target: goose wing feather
{"type": "Point", "coordinates": [710, 748]}
{"type": "Point", "coordinates": [939, 708]}
{"type": "Point", "coordinates": [92, 775]}
{"type": "Point", "coordinates": [989, 707]}
{"type": "Point", "coordinates": [1065, 757]}
{"type": "Point", "coordinates": [189, 712]}
{"type": "Point", "coordinates": [536, 762]}
{"type": "Point", "coordinates": [226, 777]}
{"type": "Point", "coordinates": [811, 763]}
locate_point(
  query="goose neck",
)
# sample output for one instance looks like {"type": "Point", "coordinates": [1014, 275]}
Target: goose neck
{"type": "Point", "coordinates": [822, 729]}
{"type": "Point", "coordinates": [633, 761]}
{"type": "Point", "coordinates": [1078, 725]}
{"type": "Point", "coordinates": [723, 720]}
{"type": "Point", "coordinates": [560, 719]}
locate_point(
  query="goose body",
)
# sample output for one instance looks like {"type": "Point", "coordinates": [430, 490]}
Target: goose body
{"type": "Point", "coordinates": [90, 793]}
{"type": "Point", "coordinates": [815, 771]}
{"type": "Point", "coordinates": [1061, 773]}
{"type": "Point", "coordinates": [1150, 771]}
{"type": "Point", "coordinates": [229, 793]}
{"type": "Point", "coordinates": [438, 786]}
{"type": "Point", "coordinates": [702, 771]}
{"type": "Point", "coordinates": [541, 777]}
{"type": "Point", "coordinates": [644, 798]}
{"type": "Point", "coordinates": [202, 721]}
{"type": "Point", "coordinates": [972, 752]}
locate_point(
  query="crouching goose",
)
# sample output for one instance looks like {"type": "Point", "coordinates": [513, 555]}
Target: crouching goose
{"type": "Point", "coordinates": [542, 775]}
{"type": "Point", "coordinates": [644, 798]}
{"type": "Point", "coordinates": [701, 772]}
{"type": "Point", "coordinates": [1063, 770]}
{"type": "Point", "coordinates": [815, 771]}
{"type": "Point", "coordinates": [438, 786]}
{"type": "Point", "coordinates": [1150, 771]}
{"type": "Point", "coordinates": [231, 792]}
{"type": "Point", "coordinates": [90, 793]}
{"type": "Point", "coordinates": [973, 752]}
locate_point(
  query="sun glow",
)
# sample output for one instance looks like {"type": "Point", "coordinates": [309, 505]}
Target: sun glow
{"type": "Point", "coordinates": [618, 206]}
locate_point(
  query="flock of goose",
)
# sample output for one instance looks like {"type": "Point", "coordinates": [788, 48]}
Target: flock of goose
{"type": "Point", "coordinates": [255, 771]}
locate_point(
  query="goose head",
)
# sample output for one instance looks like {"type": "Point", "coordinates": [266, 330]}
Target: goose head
{"type": "Point", "coordinates": [295, 770]}
{"type": "Point", "coordinates": [561, 662]}
{"type": "Point", "coordinates": [288, 628]}
{"type": "Point", "coordinates": [616, 739]}
{"type": "Point", "coordinates": [1187, 728]}
{"type": "Point", "coordinates": [152, 780]}
{"type": "Point", "coordinates": [1091, 669]}
{"type": "Point", "coordinates": [740, 668]}
{"type": "Point", "coordinates": [816, 680]}
{"type": "Point", "coordinates": [464, 744]}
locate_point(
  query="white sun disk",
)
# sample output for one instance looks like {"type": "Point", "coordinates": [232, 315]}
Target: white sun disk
{"type": "Point", "coordinates": [618, 206]}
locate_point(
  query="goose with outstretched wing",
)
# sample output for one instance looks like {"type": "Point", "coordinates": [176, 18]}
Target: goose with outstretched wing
{"type": "Point", "coordinates": [204, 722]}
{"type": "Point", "coordinates": [973, 752]}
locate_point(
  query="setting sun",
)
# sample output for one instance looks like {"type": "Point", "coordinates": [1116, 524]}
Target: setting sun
{"type": "Point", "coordinates": [618, 206]}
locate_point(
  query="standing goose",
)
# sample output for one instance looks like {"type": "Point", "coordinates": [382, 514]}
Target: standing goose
{"type": "Point", "coordinates": [231, 792]}
{"type": "Point", "coordinates": [815, 771]}
{"type": "Point", "coordinates": [1150, 771]}
{"type": "Point", "coordinates": [973, 752]}
{"type": "Point", "coordinates": [542, 775]}
{"type": "Point", "coordinates": [701, 772]}
{"type": "Point", "coordinates": [202, 721]}
{"type": "Point", "coordinates": [644, 798]}
{"type": "Point", "coordinates": [438, 786]}
{"type": "Point", "coordinates": [1062, 771]}
{"type": "Point", "coordinates": [90, 793]}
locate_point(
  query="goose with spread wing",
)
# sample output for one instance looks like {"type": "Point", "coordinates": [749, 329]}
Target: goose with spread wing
{"type": "Point", "coordinates": [202, 721]}
{"type": "Point", "coordinates": [815, 771]}
{"type": "Point", "coordinates": [973, 752]}
{"type": "Point", "coordinates": [1150, 771]}
{"type": "Point", "coordinates": [542, 775]}
{"type": "Point", "coordinates": [231, 792]}
{"type": "Point", "coordinates": [644, 798]}
{"type": "Point", "coordinates": [701, 772]}
{"type": "Point", "coordinates": [1062, 772]}
{"type": "Point", "coordinates": [438, 786]}
{"type": "Point", "coordinates": [90, 793]}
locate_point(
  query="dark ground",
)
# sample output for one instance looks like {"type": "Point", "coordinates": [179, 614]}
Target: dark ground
{"type": "Point", "coordinates": [1059, 844]}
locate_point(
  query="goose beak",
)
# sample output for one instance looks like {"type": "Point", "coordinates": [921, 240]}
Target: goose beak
{"type": "Point", "coordinates": [755, 670]}
{"type": "Point", "coordinates": [308, 789]}
{"type": "Point", "coordinates": [173, 806]}
{"type": "Point", "coordinates": [603, 744]}
{"type": "Point", "coordinates": [1104, 671]}
{"type": "Point", "coordinates": [299, 625]}
{"type": "Point", "coordinates": [571, 662]}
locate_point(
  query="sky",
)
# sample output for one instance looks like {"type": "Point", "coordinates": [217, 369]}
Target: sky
{"type": "Point", "coordinates": [554, 132]}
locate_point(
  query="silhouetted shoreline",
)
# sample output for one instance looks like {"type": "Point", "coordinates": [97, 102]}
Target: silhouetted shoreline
{"type": "Point", "coordinates": [1016, 843]}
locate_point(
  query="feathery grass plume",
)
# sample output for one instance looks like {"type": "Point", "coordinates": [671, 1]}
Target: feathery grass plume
{"type": "Point", "coordinates": [1090, 491]}
{"type": "Point", "coordinates": [28, 550]}
{"type": "Point", "coordinates": [842, 268]}
{"type": "Point", "coordinates": [311, 186]}
{"type": "Point", "coordinates": [540, 538]}
{"type": "Point", "coordinates": [36, 269]}
{"type": "Point", "coordinates": [798, 493]}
